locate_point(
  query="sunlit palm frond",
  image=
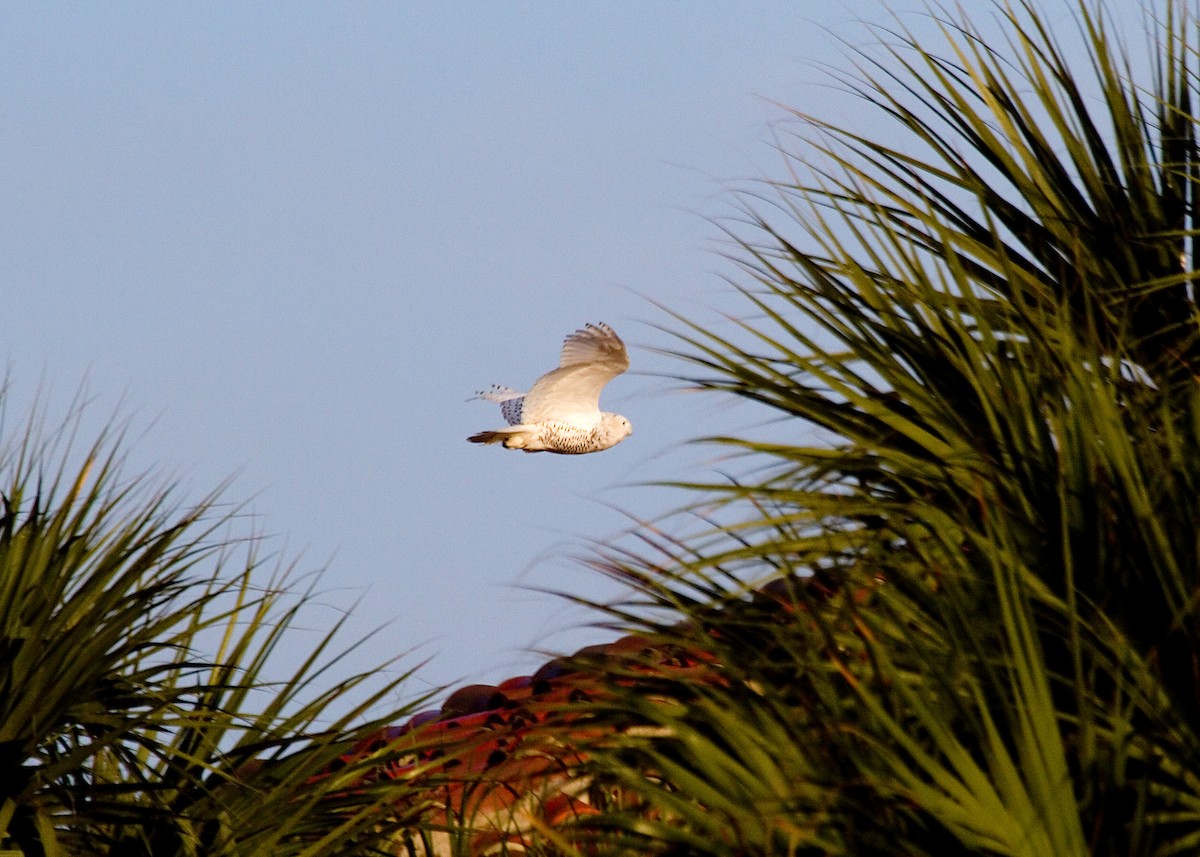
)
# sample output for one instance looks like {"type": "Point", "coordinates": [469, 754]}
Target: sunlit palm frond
{"type": "Point", "coordinates": [146, 701]}
{"type": "Point", "coordinates": [986, 642]}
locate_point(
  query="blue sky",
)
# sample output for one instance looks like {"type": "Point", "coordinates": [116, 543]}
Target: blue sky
{"type": "Point", "coordinates": [293, 239]}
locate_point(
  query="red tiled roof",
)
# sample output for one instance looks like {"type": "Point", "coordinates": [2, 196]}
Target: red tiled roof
{"type": "Point", "coordinates": [505, 759]}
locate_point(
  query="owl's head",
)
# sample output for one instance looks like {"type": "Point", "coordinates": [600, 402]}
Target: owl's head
{"type": "Point", "coordinates": [614, 428]}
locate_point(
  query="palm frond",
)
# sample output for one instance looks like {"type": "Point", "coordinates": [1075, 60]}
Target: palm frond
{"type": "Point", "coordinates": [981, 632]}
{"type": "Point", "coordinates": [143, 705]}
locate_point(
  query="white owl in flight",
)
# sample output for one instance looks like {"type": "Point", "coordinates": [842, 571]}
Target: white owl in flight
{"type": "Point", "coordinates": [561, 412]}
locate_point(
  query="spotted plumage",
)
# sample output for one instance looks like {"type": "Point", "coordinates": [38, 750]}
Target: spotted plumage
{"type": "Point", "coordinates": [510, 402]}
{"type": "Point", "coordinates": [561, 412]}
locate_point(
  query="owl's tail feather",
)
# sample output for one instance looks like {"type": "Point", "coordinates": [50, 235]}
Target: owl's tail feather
{"type": "Point", "coordinates": [487, 437]}
{"type": "Point", "coordinates": [513, 437]}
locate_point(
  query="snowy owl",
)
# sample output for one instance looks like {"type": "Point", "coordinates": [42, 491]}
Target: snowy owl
{"type": "Point", "coordinates": [561, 412]}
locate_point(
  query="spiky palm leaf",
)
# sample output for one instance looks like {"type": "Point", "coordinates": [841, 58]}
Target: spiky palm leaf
{"type": "Point", "coordinates": [141, 708]}
{"type": "Point", "coordinates": [993, 312]}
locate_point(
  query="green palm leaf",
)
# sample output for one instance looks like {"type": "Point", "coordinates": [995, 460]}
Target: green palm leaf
{"type": "Point", "coordinates": [143, 708]}
{"type": "Point", "coordinates": [982, 629]}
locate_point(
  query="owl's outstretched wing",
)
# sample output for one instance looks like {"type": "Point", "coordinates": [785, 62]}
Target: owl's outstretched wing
{"type": "Point", "coordinates": [509, 400]}
{"type": "Point", "coordinates": [591, 357]}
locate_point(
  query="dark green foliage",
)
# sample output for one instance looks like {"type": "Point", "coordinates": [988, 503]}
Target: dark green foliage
{"type": "Point", "coordinates": [982, 636]}
{"type": "Point", "coordinates": [142, 710]}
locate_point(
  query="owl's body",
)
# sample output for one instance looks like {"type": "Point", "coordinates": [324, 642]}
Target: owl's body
{"type": "Point", "coordinates": [560, 437]}
{"type": "Point", "coordinates": [561, 412]}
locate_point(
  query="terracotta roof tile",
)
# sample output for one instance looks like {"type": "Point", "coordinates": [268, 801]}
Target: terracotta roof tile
{"type": "Point", "coordinates": [510, 762]}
